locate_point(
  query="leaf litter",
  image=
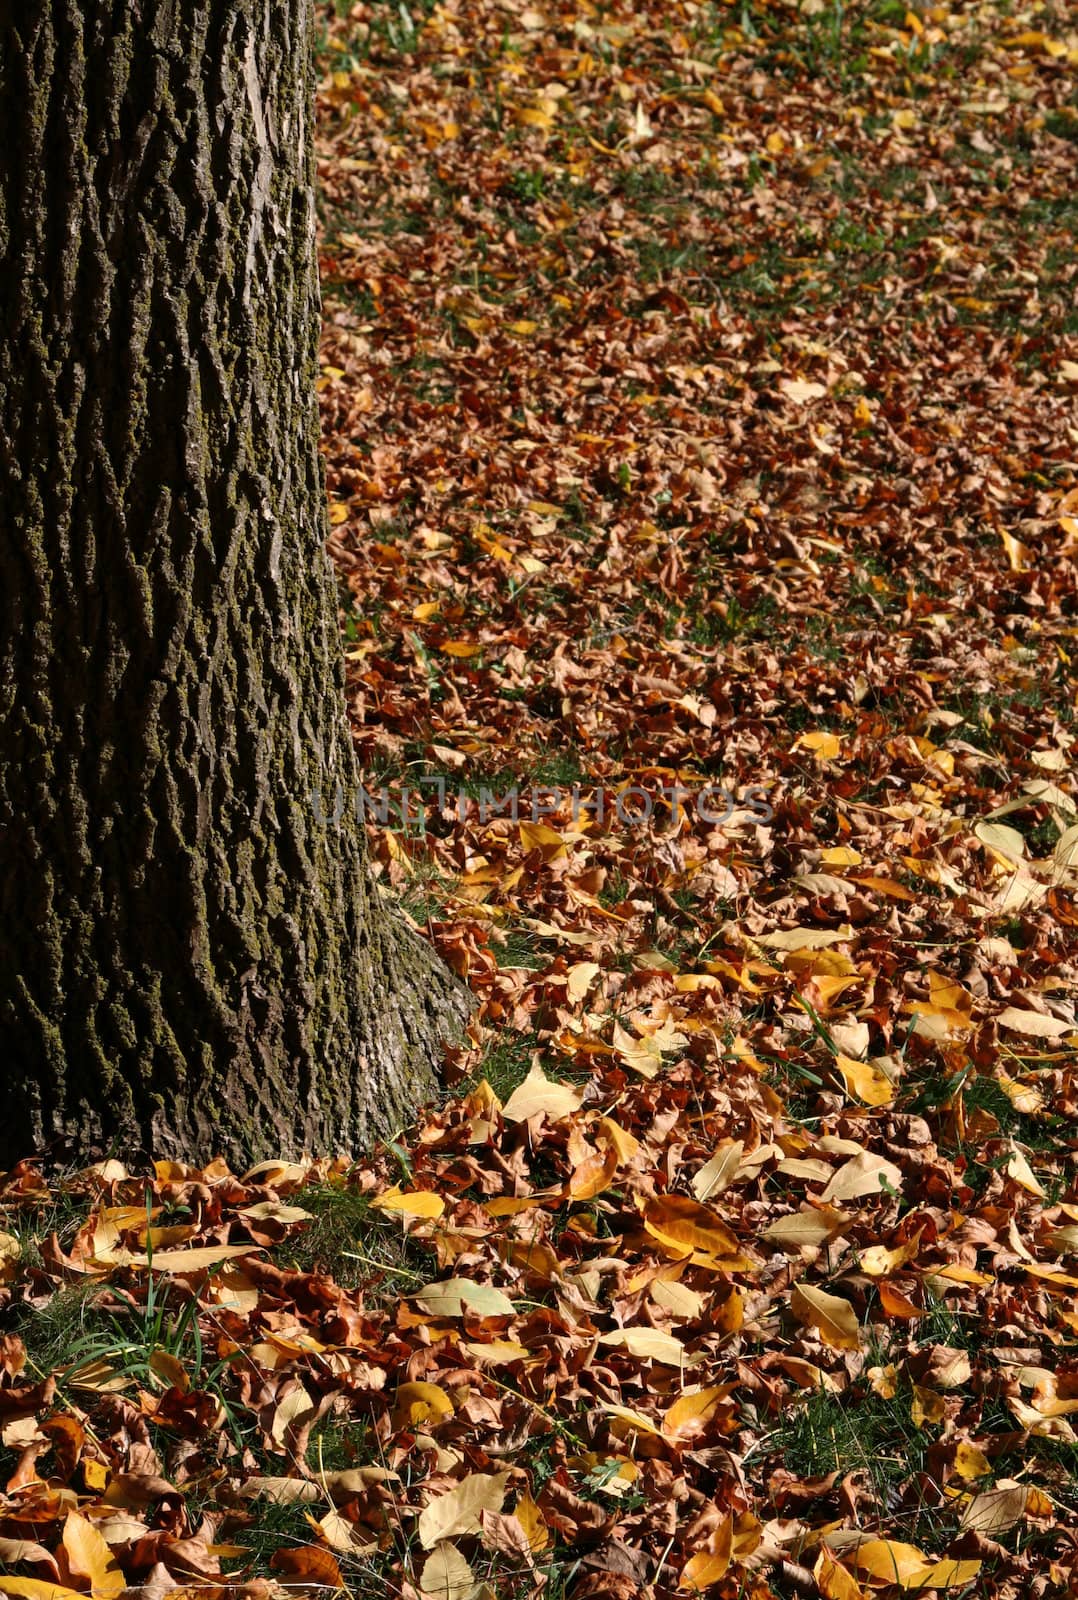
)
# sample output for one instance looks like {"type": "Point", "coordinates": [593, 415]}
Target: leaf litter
{"type": "Point", "coordinates": [698, 389]}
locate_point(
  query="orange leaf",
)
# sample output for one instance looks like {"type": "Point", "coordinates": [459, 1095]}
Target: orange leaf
{"type": "Point", "coordinates": [89, 1557]}
{"type": "Point", "coordinates": [311, 1564]}
{"type": "Point", "coordinates": [833, 1581]}
{"type": "Point", "coordinates": [684, 1224]}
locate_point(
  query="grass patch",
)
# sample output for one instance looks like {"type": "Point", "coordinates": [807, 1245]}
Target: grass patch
{"type": "Point", "coordinates": [352, 1243]}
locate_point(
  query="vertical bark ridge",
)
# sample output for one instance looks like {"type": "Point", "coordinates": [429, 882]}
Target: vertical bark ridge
{"type": "Point", "coordinates": [190, 960]}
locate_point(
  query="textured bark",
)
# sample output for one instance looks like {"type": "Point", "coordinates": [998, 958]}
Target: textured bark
{"type": "Point", "coordinates": [190, 962]}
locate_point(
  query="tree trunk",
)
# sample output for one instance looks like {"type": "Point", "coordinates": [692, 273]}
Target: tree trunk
{"type": "Point", "coordinates": [191, 961]}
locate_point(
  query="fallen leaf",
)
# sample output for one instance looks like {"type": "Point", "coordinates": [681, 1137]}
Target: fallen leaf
{"type": "Point", "coordinates": [996, 1510]}
{"type": "Point", "coordinates": [685, 1225]}
{"type": "Point", "coordinates": [687, 1416]}
{"type": "Point", "coordinates": [89, 1557]}
{"type": "Point", "coordinates": [806, 1229]}
{"type": "Point", "coordinates": [446, 1574]}
{"type": "Point", "coordinates": [648, 1344]}
{"type": "Point", "coordinates": [864, 1174]}
{"type": "Point", "coordinates": [1034, 1024]}
{"type": "Point", "coordinates": [718, 1173]}
{"type": "Point", "coordinates": [455, 1514]}
{"type": "Point", "coordinates": [865, 1081]}
{"type": "Point", "coordinates": [833, 1318]}
{"type": "Point", "coordinates": [539, 1094]}
{"type": "Point", "coordinates": [458, 1297]}
{"type": "Point", "coordinates": [420, 1404]}
{"type": "Point", "coordinates": [414, 1203]}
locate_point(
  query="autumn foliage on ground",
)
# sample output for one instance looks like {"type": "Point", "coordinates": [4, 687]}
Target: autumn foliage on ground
{"type": "Point", "coordinates": [699, 388]}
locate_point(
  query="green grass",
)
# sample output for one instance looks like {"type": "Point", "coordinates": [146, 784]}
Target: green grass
{"type": "Point", "coordinates": [352, 1243]}
{"type": "Point", "coordinates": [505, 1064]}
{"type": "Point", "coordinates": [859, 1432]}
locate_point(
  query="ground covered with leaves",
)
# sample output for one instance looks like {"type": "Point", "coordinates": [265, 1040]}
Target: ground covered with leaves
{"type": "Point", "coordinates": [699, 390]}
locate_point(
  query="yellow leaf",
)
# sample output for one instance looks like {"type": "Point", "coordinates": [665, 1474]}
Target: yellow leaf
{"type": "Point", "coordinates": [887, 886]}
{"type": "Point", "coordinates": [296, 1407]}
{"type": "Point", "coordinates": [37, 1589]}
{"type": "Point", "coordinates": [862, 1175]}
{"type": "Point", "coordinates": [709, 1567]}
{"type": "Point", "coordinates": [685, 1225]}
{"type": "Point", "coordinates": [888, 1560]}
{"type": "Point", "coordinates": [456, 1513]}
{"type": "Point", "coordinates": [497, 1352]}
{"type": "Point", "coordinates": [1020, 1170]}
{"type": "Point", "coordinates": [624, 1143]}
{"type": "Point", "coordinates": [594, 1174]}
{"type": "Point", "coordinates": [841, 855]}
{"type": "Point", "coordinates": [10, 1252]}
{"type": "Point", "coordinates": [269, 1211]}
{"type": "Point", "coordinates": [455, 1297]}
{"type": "Point", "coordinates": [926, 1406]}
{"type": "Point", "coordinates": [865, 1081]}
{"type": "Point", "coordinates": [635, 1419]}
{"type": "Point", "coordinates": [688, 1415]}
{"type": "Point", "coordinates": [89, 1557]}
{"type": "Point", "coordinates": [945, 1574]}
{"type": "Point", "coordinates": [1003, 841]}
{"type": "Point", "coordinates": [580, 978]}
{"type": "Point", "coordinates": [879, 1262]}
{"type": "Point", "coordinates": [420, 1404]}
{"type": "Point", "coordinates": [200, 1260]}
{"type": "Point", "coordinates": [169, 1368]}
{"type": "Point", "coordinates": [1018, 554]}
{"type": "Point", "coordinates": [806, 1229]}
{"type": "Point", "coordinates": [538, 1093]}
{"type": "Point", "coordinates": [533, 117]}
{"type": "Point", "coordinates": [797, 939]}
{"type": "Point", "coordinates": [537, 836]}
{"type": "Point", "coordinates": [340, 1534]}
{"type": "Point", "coordinates": [648, 1344]}
{"type": "Point", "coordinates": [824, 746]}
{"type": "Point", "coordinates": [833, 1581]}
{"type": "Point", "coordinates": [1034, 1024]}
{"type": "Point", "coordinates": [413, 1203]}
{"type": "Point", "coordinates": [718, 1173]}
{"type": "Point", "coordinates": [685, 1303]}
{"type": "Point", "coordinates": [884, 1381]}
{"type": "Point", "coordinates": [833, 1318]}
{"type": "Point", "coordinates": [956, 1272]}
{"type": "Point", "coordinates": [461, 647]}
{"type": "Point", "coordinates": [643, 1055]}
{"type": "Point", "coordinates": [531, 1519]}
{"type": "Point", "coordinates": [970, 1462]}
